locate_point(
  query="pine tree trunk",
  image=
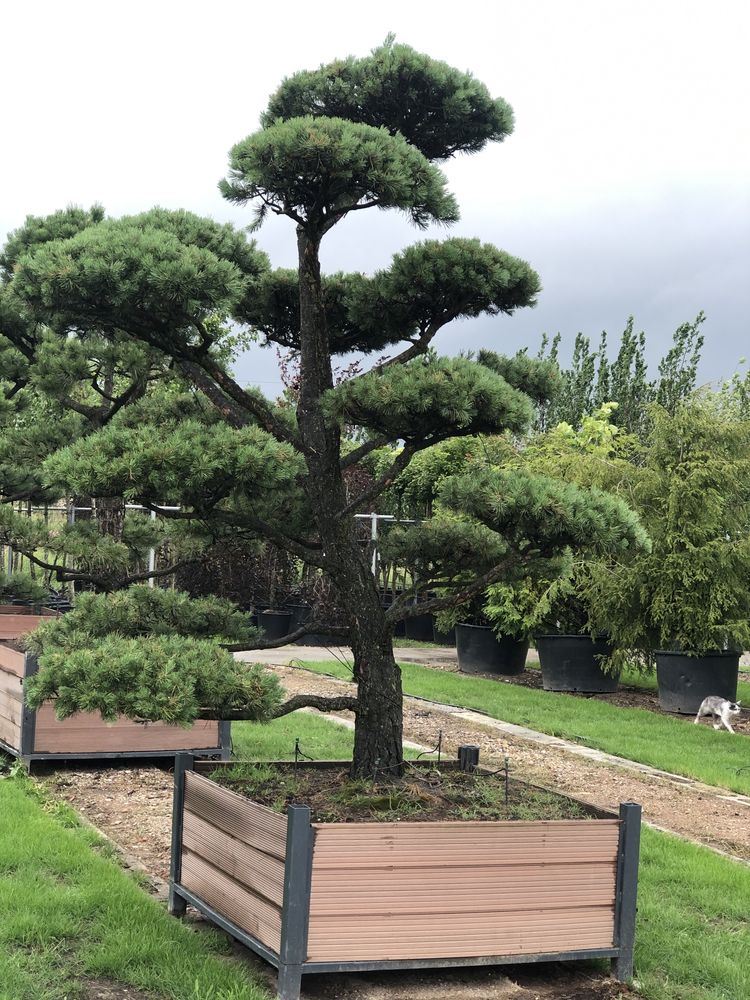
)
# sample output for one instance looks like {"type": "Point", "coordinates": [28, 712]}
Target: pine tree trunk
{"type": "Point", "coordinates": [379, 724]}
{"type": "Point", "coordinates": [109, 513]}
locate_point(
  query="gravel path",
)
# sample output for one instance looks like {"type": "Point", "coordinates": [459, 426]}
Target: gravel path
{"type": "Point", "coordinates": [699, 812]}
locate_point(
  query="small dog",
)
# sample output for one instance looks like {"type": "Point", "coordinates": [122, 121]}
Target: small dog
{"type": "Point", "coordinates": [721, 709]}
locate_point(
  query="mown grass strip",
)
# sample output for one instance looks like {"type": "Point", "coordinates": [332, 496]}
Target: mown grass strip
{"type": "Point", "coordinates": [671, 744]}
{"type": "Point", "coordinates": [692, 933]}
{"type": "Point", "coordinates": [319, 739]}
{"type": "Point", "coordinates": [68, 914]}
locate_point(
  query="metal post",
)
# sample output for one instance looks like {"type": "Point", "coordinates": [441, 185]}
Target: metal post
{"type": "Point", "coordinates": [152, 556]}
{"type": "Point", "coordinates": [468, 757]}
{"type": "Point", "coordinates": [627, 889]}
{"type": "Point", "coordinates": [28, 715]}
{"type": "Point", "coordinates": [183, 762]}
{"type": "Point", "coordinates": [225, 739]}
{"type": "Point", "coordinates": [295, 912]}
{"type": "Point", "coordinates": [374, 538]}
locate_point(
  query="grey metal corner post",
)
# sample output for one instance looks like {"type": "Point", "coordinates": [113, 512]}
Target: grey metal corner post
{"type": "Point", "coordinates": [627, 889]}
{"type": "Point", "coordinates": [28, 715]}
{"type": "Point", "coordinates": [225, 739]}
{"type": "Point", "coordinates": [295, 913]}
{"type": "Point", "coordinates": [182, 762]}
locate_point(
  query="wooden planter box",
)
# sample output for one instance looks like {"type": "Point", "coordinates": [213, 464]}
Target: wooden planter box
{"type": "Point", "coordinates": [39, 736]}
{"type": "Point", "coordinates": [333, 897]}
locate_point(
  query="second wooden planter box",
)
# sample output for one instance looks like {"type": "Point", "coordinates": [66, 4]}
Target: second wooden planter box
{"type": "Point", "coordinates": [333, 897]}
{"type": "Point", "coordinates": [39, 736]}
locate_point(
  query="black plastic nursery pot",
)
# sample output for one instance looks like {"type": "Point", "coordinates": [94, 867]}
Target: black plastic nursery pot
{"type": "Point", "coordinates": [684, 681]}
{"type": "Point", "coordinates": [479, 651]}
{"type": "Point", "coordinates": [300, 613]}
{"type": "Point", "coordinates": [275, 624]}
{"type": "Point", "coordinates": [443, 638]}
{"type": "Point", "coordinates": [420, 627]}
{"type": "Point", "coordinates": [573, 663]}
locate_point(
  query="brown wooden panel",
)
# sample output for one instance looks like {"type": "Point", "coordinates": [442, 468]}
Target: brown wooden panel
{"type": "Point", "coordinates": [11, 660]}
{"type": "Point", "coordinates": [391, 936]}
{"type": "Point", "coordinates": [11, 691]}
{"type": "Point", "coordinates": [11, 708]}
{"type": "Point", "coordinates": [404, 890]}
{"type": "Point", "coordinates": [259, 872]}
{"type": "Point", "coordinates": [250, 912]}
{"type": "Point", "coordinates": [256, 825]}
{"type": "Point", "coordinates": [424, 845]}
{"type": "Point", "coordinates": [87, 732]}
{"type": "Point", "coordinates": [10, 732]}
{"type": "Point", "coordinates": [12, 626]}
{"type": "Point", "coordinates": [480, 889]}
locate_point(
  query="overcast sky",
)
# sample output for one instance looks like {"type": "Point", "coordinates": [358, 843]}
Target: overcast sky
{"type": "Point", "coordinates": [625, 183]}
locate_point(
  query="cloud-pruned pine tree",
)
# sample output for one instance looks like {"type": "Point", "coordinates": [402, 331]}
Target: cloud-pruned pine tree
{"type": "Point", "coordinates": [351, 136]}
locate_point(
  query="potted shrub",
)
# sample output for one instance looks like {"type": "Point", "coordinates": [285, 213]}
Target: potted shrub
{"type": "Point", "coordinates": [482, 647]}
{"type": "Point", "coordinates": [685, 605]}
{"type": "Point", "coordinates": [555, 614]}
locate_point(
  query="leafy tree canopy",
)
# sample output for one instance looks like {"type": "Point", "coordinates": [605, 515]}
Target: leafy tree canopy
{"type": "Point", "coordinates": [318, 169]}
{"type": "Point", "coordinates": [436, 108]}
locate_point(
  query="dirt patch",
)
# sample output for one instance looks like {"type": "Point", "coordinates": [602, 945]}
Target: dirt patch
{"type": "Point", "coordinates": [131, 805]}
{"type": "Point", "coordinates": [543, 982]}
{"type": "Point", "coordinates": [102, 989]}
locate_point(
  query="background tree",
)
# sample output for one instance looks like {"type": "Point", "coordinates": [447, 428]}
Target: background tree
{"type": "Point", "coordinates": [58, 388]}
{"type": "Point", "coordinates": [592, 379]}
{"type": "Point", "coordinates": [354, 135]}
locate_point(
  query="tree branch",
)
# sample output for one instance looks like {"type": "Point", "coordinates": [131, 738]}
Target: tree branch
{"type": "Point", "coordinates": [309, 551]}
{"type": "Point", "coordinates": [262, 411]}
{"type": "Point", "coordinates": [342, 703]}
{"type": "Point", "coordinates": [375, 489]}
{"type": "Point", "coordinates": [364, 450]}
{"type": "Point", "coordinates": [400, 610]}
{"type": "Point", "coordinates": [305, 629]}
{"type": "Point", "coordinates": [336, 703]}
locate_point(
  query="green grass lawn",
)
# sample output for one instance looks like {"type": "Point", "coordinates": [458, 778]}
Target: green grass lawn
{"type": "Point", "coordinates": [693, 934]}
{"type": "Point", "coordinates": [693, 925]}
{"type": "Point", "coordinates": [318, 738]}
{"type": "Point", "coordinates": [671, 744]}
{"type": "Point", "coordinates": [68, 914]}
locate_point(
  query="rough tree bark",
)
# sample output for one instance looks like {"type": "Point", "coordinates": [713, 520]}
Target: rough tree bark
{"type": "Point", "coordinates": [378, 743]}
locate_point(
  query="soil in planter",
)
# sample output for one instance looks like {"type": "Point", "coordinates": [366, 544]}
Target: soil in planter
{"type": "Point", "coordinates": [422, 794]}
{"type": "Point", "coordinates": [16, 644]}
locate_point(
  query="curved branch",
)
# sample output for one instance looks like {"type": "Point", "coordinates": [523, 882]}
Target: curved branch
{"type": "Point", "coordinates": [247, 403]}
{"type": "Point", "coordinates": [375, 489]}
{"type": "Point", "coordinates": [227, 407]}
{"type": "Point", "coordinates": [342, 703]}
{"type": "Point", "coordinates": [307, 628]}
{"type": "Point", "coordinates": [336, 703]}
{"type": "Point", "coordinates": [364, 450]}
{"type": "Point", "coordinates": [309, 551]}
{"type": "Point", "coordinates": [400, 610]}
